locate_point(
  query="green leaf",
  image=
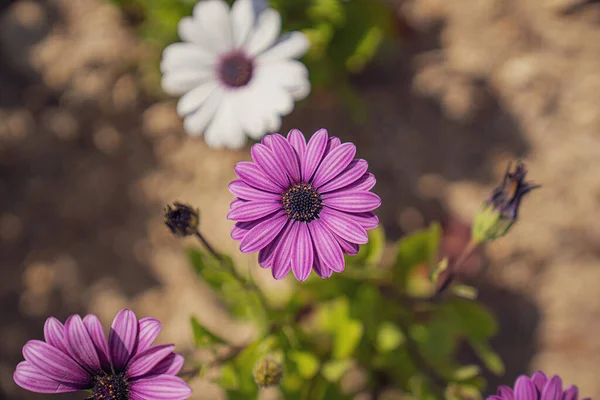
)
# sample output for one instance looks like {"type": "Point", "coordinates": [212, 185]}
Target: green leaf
{"type": "Point", "coordinates": [464, 291]}
{"type": "Point", "coordinates": [491, 359]}
{"type": "Point", "coordinates": [466, 372]}
{"type": "Point", "coordinates": [333, 314]}
{"type": "Point", "coordinates": [417, 248]}
{"type": "Point", "coordinates": [438, 269]}
{"type": "Point", "coordinates": [473, 319]}
{"type": "Point", "coordinates": [347, 339]}
{"type": "Point", "coordinates": [215, 274]}
{"type": "Point", "coordinates": [333, 370]}
{"type": "Point", "coordinates": [306, 363]}
{"type": "Point", "coordinates": [229, 377]}
{"type": "Point", "coordinates": [202, 336]}
{"type": "Point", "coordinates": [389, 337]}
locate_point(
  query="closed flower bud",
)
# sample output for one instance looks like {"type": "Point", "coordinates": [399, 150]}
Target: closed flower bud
{"type": "Point", "coordinates": [267, 372]}
{"type": "Point", "coordinates": [182, 219]}
{"type": "Point", "coordinates": [501, 210]}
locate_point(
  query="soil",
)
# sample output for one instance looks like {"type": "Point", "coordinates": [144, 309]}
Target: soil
{"type": "Point", "coordinates": [87, 162]}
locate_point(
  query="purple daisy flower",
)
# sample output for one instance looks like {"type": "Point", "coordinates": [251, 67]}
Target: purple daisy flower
{"type": "Point", "coordinates": [76, 356]}
{"type": "Point", "coordinates": [303, 205]}
{"type": "Point", "coordinates": [538, 387]}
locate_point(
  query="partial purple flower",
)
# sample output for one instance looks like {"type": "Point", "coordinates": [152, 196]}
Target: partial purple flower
{"type": "Point", "coordinates": [538, 387]}
{"type": "Point", "coordinates": [303, 205]}
{"type": "Point", "coordinates": [76, 356]}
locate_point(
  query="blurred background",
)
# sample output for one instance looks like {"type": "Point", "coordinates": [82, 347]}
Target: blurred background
{"type": "Point", "coordinates": [439, 99]}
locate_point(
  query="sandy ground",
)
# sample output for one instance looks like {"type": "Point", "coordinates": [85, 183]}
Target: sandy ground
{"type": "Point", "coordinates": [87, 162]}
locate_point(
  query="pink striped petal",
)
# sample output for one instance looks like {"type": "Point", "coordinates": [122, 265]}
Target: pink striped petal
{"type": "Point", "coordinates": [334, 142]}
{"type": "Point", "coordinates": [354, 171]}
{"type": "Point", "coordinates": [54, 333]}
{"type": "Point", "coordinates": [365, 183]}
{"type": "Point", "coordinates": [539, 379]}
{"type": "Point", "coordinates": [302, 254]}
{"type": "Point", "coordinates": [506, 393]}
{"type": "Point", "coordinates": [161, 387]}
{"type": "Point", "coordinates": [122, 338]}
{"type": "Point", "coordinates": [314, 154]}
{"type": "Point", "coordinates": [334, 163]}
{"type": "Point", "coordinates": [240, 229]}
{"type": "Point", "coordinates": [284, 252]}
{"type": "Point", "coordinates": [244, 191]}
{"type": "Point", "coordinates": [352, 201]}
{"type": "Point", "coordinates": [344, 226]}
{"type": "Point", "coordinates": [296, 139]}
{"type": "Point", "coordinates": [149, 329]}
{"type": "Point", "coordinates": [253, 175]}
{"type": "Point", "coordinates": [287, 156]}
{"type": "Point", "coordinates": [525, 389]}
{"type": "Point", "coordinates": [553, 389]}
{"type": "Point", "coordinates": [54, 364]}
{"type": "Point", "coordinates": [321, 269]}
{"type": "Point", "coordinates": [29, 378]}
{"type": "Point", "coordinates": [367, 220]}
{"type": "Point", "coordinates": [267, 140]}
{"type": "Point", "coordinates": [81, 346]}
{"type": "Point", "coordinates": [327, 248]}
{"type": "Point", "coordinates": [171, 365]}
{"type": "Point", "coordinates": [270, 164]}
{"type": "Point", "coordinates": [572, 393]}
{"type": "Point", "coordinates": [145, 361]}
{"type": "Point", "coordinates": [348, 248]}
{"type": "Point", "coordinates": [252, 210]}
{"type": "Point", "coordinates": [263, 233]}
{"type": "Point", "coordinates": [265, 255]}
{"type": "Point", "coordinates": [94, 328]}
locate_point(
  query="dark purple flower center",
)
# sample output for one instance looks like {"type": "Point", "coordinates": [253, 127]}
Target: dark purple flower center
{"type": "Point", "coordinates": [235, 69]}
{"type": "Point", "coordinates": [110, 387]}
{"type": "Point", "coordinates": [302, 203]}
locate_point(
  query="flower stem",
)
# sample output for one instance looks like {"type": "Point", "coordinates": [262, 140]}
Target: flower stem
{"type": "Point", "coordinates": [453, 272]}
{"type": "Point", "coordinates": [208, 246]}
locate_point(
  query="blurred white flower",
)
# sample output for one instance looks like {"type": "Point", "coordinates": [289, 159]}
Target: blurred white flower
{"type": "Point", "coordinates": [236, 75]}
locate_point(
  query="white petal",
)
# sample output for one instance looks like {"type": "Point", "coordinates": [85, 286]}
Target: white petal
{"type": "Point", "coordinates": [273, 122]}
{"type": "Point", "coordinates": [250, 113]}
{"type": "Point", "coordinates": [278, 99]}
{"type": "Point", "coordinates": [225, 129]}
{"type": "Point", "coordinates": [196, 122]}
{"type": "Point", "coordinates": [193, 99]}
{"type": "Point", "coordinates": [190, 30]}
{"type": "Point", "coordinates": [178, 82]}
{"type": "Point", "coordinates": [242, 19]}
{"type": "Point", "coordinates": [266, 32]}
{"type": "Point", "coordinates": [294, 45]}
{"type": "Point", "coordinates": [213, 18]}
{"type": "Point", "coordinates": [291, 74]}
{"type": "Point", "coordinates": [185, 56]}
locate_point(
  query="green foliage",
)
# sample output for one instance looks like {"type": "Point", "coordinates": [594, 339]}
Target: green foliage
{"type": "Point", "coordinates": [373, 318]}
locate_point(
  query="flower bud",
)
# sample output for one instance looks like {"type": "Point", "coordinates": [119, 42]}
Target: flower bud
{"type": "Point", "coordinates": [501, 210]}
{"type": "Point", "coordinates": [267, 372]}
{"type": "Point", "coordinates": [182, 219]}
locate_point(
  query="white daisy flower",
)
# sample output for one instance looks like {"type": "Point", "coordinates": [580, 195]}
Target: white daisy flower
{"type": "Point", "coordinates": [236, 75]}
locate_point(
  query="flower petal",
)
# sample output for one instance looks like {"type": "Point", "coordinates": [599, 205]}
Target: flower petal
{"type": "Point", "coordinates": [54, 333]}
{"type": "Point", "coordinates": [287, 156]}
{"type": "Point", "coordinates": [539, 379]}
{"type": "Point", "coordinates": [182, 56]}
{"type": "Point", "coordinates": [161, 387]}
{"type": "Point", "coordinates": [176, 83]}
{"type": "Point", "coordinates": [244, 191]}
{"type": "Point", "coordinates": [193, 100]}
{"type": "Point", "coordinates": [365, 183]}
{"type": "Point", "coordinates": [195, 123]}
{"type": "Point", "coordinates": [321, 269]}
{"type": "Point", "coordinates": [344, 226]}
{"type": "Point", "coordinates": [553, 389]}
{"type": "Point", "coordinates": [225, 130]}
{"type": "Point", "coordinates": [298, 142]}
{"type": "Point", "coordinates": [242, 19]}
{"type": "Point", "coordinates": [94, 328]}
{"type": "Point", "coordinates": [213, 18]}
{"type": "Point", "coordinates": [254, 176]}
{"type": "Point", "coordinates": [525, 389]}
{"type": "Point", "coordinates": [251, 210]}
{"type": "Point", "coordinates": [571, 393]}
{"type": "Point", "coordinates": [122, 338]}
{"type": "Point", "coordinates": [81, 346]}
{"type": "Point", "coordinates": [263, 233]}
{"type": "Point", "coordinates": [352, 201]}
{"type": "Point", "coordinates": [353, 172]}
{"type": "Point", "coordinates": [240, 229]}
{"type": "Point", "coordinates": [314, 154]}
{"type": "Point", "coordinates": [268, 26]}
{"type": "Point", "coordinates": [54, 364]}
{"type": "Point", "coordinates": [265, 255]}
{"type": "Point", "coordinates": [149, 329]}
{"type": "Point", "coordinates": [29, 378]}
{"type": "Point", "coordinates": [335, 162]}
{"type": "Point", "coordinates": [367, 220]}
{"type": "Point", "coordinates": [292, 45]}
{"type": "Point", "coordinates": [171, 365]}
{"type": "Point", "coordinates": [347, 247]}
{"type": "Point", "coordinates": [292, 75]}
{"type": "Point", "coordinates": [143, 362]}
{"type": "Point", "coordinates": [506, 393]}
{"type": "Point", "coordinates": [327, 248]}
{"type": "Point", "coordinates": [283, 254]}
{"type": "Point", "coordinates": [302, 254]}
{"type": "Point", "coordinates": [270, 164]}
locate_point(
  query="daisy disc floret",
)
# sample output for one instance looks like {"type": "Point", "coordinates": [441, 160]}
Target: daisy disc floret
{"type": "Point", "coordinates": [538, 387]}
{"type": "Point", "coordinates": [235, 74]}
{"type": "Point", "coordinates": [76, 356]}
{"type": "Point", "coordinates": [302, 205]}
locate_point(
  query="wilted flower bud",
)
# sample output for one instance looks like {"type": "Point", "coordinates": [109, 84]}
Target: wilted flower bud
{"type": "Point", "coordinates": [500, 211]}
{"type": "Point", "coordinates": [182, 219]}
{"type": "Point", "coordinates": [267, 372]}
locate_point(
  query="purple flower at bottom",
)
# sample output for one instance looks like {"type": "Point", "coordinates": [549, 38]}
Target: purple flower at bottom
{"type": "Point", "coordinates": [303, 205]}
{"type": "Point", "coordinates": [538, 387]}
{"type": "Point", "coordinates": [76, 356]}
